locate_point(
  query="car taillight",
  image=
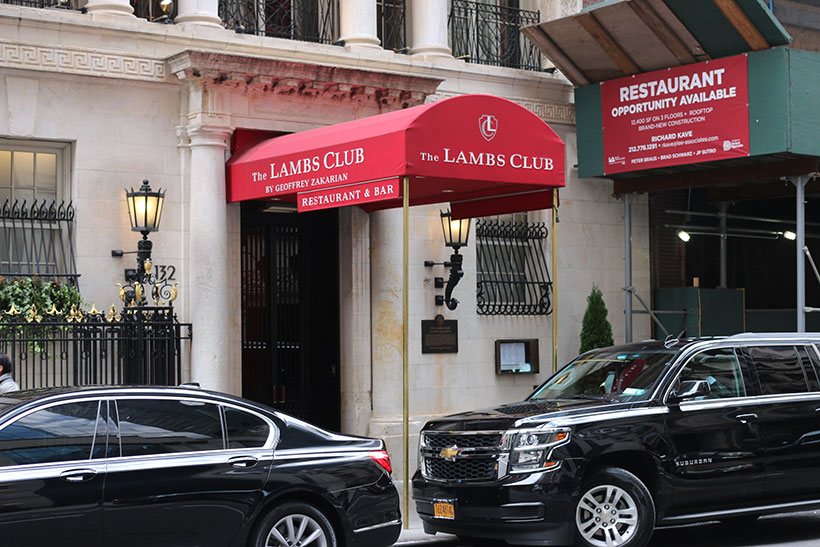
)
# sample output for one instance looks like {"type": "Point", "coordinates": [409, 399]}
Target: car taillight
{"type": "Point", "coordinates": [382, 458]}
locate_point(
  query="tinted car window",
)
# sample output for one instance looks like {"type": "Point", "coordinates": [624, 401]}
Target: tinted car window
{"type": "Point", "coordinates": [809, 360]}
{"type": "Point", "coordinates": [167, 426]}
{"type": "Point", "coordinates": [779, 370]}
{"type": "Point", "coordinates": [55, 434]}
{"type": "Point", "coordinates": [720, 369]}
{"type": "Point", "coordinates": [611, 374]}
{"type": "Point", "coordinates": [245, 430]}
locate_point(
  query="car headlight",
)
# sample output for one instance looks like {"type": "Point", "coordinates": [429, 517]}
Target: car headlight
{"type": "Point", "coordinates": [532, 450]}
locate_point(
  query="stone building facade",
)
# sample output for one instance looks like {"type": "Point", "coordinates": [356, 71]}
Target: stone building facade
{"type": "Point", "coordinates": [119, 99]}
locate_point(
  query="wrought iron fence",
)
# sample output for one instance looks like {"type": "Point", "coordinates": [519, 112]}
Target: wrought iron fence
{"type": "Point", "coordinates": [305, 20]}
{"type": "Point", "coordinates": [392, 20]}
{"type": "Point", "coordinates": [490, 34]}
{"type": "Point", "coordinates": [37, 239]}
{"type": "Point", "coordinates": [513, 278]}
{"type": "Point", "coordinates": [141, 346]}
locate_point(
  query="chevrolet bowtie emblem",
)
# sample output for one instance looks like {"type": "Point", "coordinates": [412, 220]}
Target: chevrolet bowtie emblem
{"type": "Point", "coordinates": [449, 454]}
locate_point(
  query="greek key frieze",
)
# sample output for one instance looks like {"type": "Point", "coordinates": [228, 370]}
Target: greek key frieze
{"type": "Point", "coordinates": [80, 61]}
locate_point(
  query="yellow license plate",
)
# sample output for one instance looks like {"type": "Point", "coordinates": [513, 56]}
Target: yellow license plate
{"type": "Point", "coordinates": [444, 510]}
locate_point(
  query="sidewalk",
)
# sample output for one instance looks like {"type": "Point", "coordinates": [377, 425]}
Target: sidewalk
{"type": "Point", "coordinates": [416, 536]}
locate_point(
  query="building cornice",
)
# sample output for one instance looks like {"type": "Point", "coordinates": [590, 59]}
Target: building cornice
{"type": "Point", "coordinates": [257, 75]}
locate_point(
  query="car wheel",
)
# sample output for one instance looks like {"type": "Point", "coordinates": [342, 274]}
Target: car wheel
{"type": "Point", "coordinates": [295, 525]}
{"type": "Point", "coordinates": [615, 510]}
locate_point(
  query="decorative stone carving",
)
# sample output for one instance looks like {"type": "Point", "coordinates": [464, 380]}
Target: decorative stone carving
{"type": "Point", "coordinates": [80, 61]}
{"type": "Point", "coordinates": [549, 112]}
{"type": "Point", "coordinates": [257, 76]}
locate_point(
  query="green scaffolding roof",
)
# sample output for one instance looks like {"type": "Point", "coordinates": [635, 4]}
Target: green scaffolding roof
{"type": "Point", "coordinates": [622, 37]}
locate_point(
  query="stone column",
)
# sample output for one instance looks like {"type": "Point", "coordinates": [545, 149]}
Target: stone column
{"type": "Point", "coordinates": [357, 23]}
{"type": "Point", "coordinates": [198, 12]}
{"type": "Point", "coordinates": [428, 28]}
{"type": "Point", "coordinates": [110, 7]}
{"type": "Point", "coordinates": [208, 282]}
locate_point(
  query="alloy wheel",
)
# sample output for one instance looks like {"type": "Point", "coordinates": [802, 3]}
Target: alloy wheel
{"type": "Point", "coordinates": [296, 531]}
{"type": "Point", "coordinates": [607, 516]}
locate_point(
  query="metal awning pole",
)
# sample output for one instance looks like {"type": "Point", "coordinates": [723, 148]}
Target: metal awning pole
{"type": "Point", "coordinates": [627, 269]}
{"type": "Point", "coordinates": [800, 185]}
{"type": "Point", "coordinates": [724, 235]}
{"type": "Point", "coordinates": [405, 356]}
{"type": "Point", "coordinates": [554, 279]}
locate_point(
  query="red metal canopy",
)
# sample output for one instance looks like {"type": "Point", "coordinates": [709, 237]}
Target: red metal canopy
{"type": "Point", "coordinates": [484, 154]}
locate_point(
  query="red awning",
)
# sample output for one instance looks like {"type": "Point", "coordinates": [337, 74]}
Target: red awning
{"type": "Point", "coordinates": [484, 154]}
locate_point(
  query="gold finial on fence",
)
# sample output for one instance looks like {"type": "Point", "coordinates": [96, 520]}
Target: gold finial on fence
{"type": "Point", "coordinates": [112, 315]}
{"type": "Point", "coordinates": [32, 315]}
{"type": "Point", "coordinates": [74, 315]}
{"type": "Point", "coordinates": [13, 310]}
{"type": "Point", "coordinates": [53, 310]}
{"type": "Point", "coordinates": [173, 292]}
{"type": "Point", "coordinates": [94, 310]}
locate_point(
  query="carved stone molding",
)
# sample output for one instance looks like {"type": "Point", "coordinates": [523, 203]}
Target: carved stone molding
{"type": "Point", "coordinates": [86, 62]}
{"type": "Point", "coordinates": [549, 112]}
{"type": "Point", "coordinates": [258, 77]}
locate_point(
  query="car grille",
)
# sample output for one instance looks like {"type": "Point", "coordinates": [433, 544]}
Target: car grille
{"type": "Point", "coordinates": [460, 457]}
{"type": "Point", "coordinates": [445, 440]}
{"type": "Point", "coordinates": [468, 469]}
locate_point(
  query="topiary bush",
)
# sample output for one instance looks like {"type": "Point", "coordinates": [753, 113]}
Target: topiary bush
{"type": "Point", "coordinates": [596, 332]}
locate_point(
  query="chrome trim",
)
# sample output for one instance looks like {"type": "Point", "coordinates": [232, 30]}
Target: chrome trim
{"type": "Point", "coordinates": [396, 522]}
{"type": "Point", "coordinates": [604, 416]}
{"type": "Point", "coordinates": [750, 400]}
{"type": "Point", "coordinates": [52, 470]}
{"type": "Point", "coordinates": [774, 508]}
{"type": "Point", "coordinates": [302, 453]}
{"type": "Point", "coordinates": [181, 459]}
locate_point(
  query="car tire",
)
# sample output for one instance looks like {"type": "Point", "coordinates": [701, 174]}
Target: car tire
{"type": "Point", "coordinates": [294, 522]}
{"type": "Point", "coordinates": [616, 506]}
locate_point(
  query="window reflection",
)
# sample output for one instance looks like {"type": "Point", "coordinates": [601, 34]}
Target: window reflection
{"type": "Point", "coordinates": [59, 433]}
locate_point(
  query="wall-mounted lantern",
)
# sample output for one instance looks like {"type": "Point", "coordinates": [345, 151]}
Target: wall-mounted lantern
{"type": "Point", "coordinates": [456, 234]}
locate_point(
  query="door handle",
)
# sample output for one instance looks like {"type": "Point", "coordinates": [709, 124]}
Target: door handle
{"type": "Point", "coordinates": [746, 418]}
{"type": "Point", "coordinates": [243, 461]}
{"type": "Point", "coordinates": [78, 475]}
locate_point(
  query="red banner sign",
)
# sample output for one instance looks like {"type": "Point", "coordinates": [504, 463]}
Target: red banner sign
{"type": "Point", "coordinates": [355, 194]}
{"type": "Point", "coordinates": [682, 115]}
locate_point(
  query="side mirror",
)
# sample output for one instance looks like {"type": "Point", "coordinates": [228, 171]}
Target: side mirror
{"type": "Point", "coordinates": [689, 390]}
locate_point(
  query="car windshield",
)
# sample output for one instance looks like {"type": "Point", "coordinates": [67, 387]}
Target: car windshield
{"type": "Point", "coordinates": [612, 374]}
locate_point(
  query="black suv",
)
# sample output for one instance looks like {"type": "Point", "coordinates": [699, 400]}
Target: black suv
{"type": "Point", "coordinates": [628, 438]}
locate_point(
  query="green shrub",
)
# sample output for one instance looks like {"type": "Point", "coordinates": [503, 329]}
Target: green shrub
{"type": "Point", "coordinates": [596, 331]}
{"type": "Point", "coordinates": [45, 296]}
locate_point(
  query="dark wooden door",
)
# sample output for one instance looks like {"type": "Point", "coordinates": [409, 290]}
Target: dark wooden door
{"type": "Point", "coordinates": [290, 313]}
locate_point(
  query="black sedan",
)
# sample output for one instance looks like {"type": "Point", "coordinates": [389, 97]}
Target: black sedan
{"type": "Point", "coordinates": [184, 467]}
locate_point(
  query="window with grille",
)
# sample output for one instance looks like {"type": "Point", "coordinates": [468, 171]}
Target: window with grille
{"type": "Point", "coordinates": [390, 15]}
{"type": "Point", "coordinates": [36, 222]}
{"type": "Point", "coordinates": [489, 32]}
{"type": "Point", "coordinates": [304, 20]}
{"type": "Point", "coordinates": [512, 275]}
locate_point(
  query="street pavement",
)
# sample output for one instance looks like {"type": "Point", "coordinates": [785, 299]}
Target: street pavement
{"type": "Point", "coordinates": [794, 529]}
